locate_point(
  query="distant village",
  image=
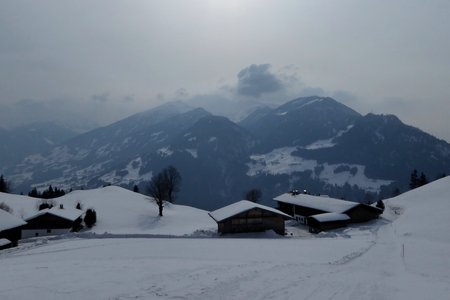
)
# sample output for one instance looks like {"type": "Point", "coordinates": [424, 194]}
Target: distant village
{"type": "Point", "coordinates": [315, 213]}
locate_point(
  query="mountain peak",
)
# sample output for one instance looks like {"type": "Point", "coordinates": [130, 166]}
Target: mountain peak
{"type": "Point", "coordinates": [315, 103]}
{"type": "Point", "coordinates": [301, 121]}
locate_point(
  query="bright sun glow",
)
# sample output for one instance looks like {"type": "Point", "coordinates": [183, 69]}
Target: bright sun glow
{"type": "Point", "coordinates": [226, 6]}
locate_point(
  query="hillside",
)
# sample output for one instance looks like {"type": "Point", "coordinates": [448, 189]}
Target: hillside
{"type": "Point", "coordinates": [395, 257]}
{"type": "Point", "coordinates": [120, 211]}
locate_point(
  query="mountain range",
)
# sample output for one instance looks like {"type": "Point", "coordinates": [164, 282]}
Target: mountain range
{"type": "Point", "coordinates": [313, 143]}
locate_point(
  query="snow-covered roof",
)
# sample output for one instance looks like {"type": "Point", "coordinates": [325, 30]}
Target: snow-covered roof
{"type": "Point", "coordinates": [330, 217]}
{"type": "Point", "coordinates": [317, 202]}
{"type": "Point", "coordinates": [8, 221]}
{"type": "Point", "coordinates": [70, 214]}
{"type": "Point", "coordinates": [4, 242]}
{"type": "Point", "coordinates": [240, 207]}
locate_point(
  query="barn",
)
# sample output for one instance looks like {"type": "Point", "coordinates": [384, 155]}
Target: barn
{"type": "Point", "coordinates": [246, 216]}
{"type": "Point", "coordinates": [10, 228]}
{"type": "Point", "coordinates": [52, 221]}
{"type": "Point", "coordinates": [324, 212]}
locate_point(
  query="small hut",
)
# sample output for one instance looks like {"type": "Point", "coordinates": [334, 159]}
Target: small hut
{"type": "Point", "coordinates": [246, 216]}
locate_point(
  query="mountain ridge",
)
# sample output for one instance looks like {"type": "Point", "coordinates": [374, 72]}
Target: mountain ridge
{"type": "Point", "coordinates": [313, 142]}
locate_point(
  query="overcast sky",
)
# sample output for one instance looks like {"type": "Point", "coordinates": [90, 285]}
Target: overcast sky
{"type": "Point", "coordinates": [108, 59]}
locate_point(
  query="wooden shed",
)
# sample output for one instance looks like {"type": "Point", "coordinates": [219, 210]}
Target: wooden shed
{"type": "Point", "coordinates": [246, 216]}
{"type": "Point", "coordinates": [10, 227]}
{"type": "Point", "coordinates": [327, 221]}
{"type": "Point", "coordinates": [52, 221]}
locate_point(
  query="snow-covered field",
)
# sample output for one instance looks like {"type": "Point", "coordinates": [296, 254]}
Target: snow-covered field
{"type": "Point", "coordinates": [404, 255]}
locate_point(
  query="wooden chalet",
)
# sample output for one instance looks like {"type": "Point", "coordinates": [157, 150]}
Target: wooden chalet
{"type": "Point", "coordinates": [246, 216]}
{"type": "Point", "coordinates": [307, 209]}
{"type": "Point", "coordinates": [52, 221]}
{"type": "Point", "coordinates": [10, 229]}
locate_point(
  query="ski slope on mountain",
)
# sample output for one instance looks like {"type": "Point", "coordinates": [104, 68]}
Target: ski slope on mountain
{"type": "Point", "coordinates": [403, 255]}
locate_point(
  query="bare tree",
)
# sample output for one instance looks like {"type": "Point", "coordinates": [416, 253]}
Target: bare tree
{"type": "Point", "coordinates": [158, 190]}
{"type": "Point", "coordinates": [164, 185]}
{"type": "Point", "coordinates": [173, 182]}
{"type": "Point", "coordinates": [253, 195]}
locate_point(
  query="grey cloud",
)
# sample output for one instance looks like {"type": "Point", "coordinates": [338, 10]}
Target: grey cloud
{"type": "Point", "coordinates": [312, 91]}
{"type": "Point", "coordinates": [345, 97]}
{"type": "Point", "coordinates": [128, 99]}
{"type": "Point", "coordinates": [181, 93]}
{"type": "Point", "coordinates": [256, 80]}
{"type": "Point", "coordinates": [100, 98]}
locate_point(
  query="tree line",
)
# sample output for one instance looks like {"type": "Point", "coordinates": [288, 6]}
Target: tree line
{"type": "Point", "coordinates": [49, 193]}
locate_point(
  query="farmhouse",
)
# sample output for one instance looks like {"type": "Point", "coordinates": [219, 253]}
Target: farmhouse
{"type": "Point", "coordinates": [10, 229]}
{"type": "Point", "coordinates": [323, 212]}
{"type": "Point", "coordinates": [246, 216]}
{"type": "Point", "coordinates": [52, 221]}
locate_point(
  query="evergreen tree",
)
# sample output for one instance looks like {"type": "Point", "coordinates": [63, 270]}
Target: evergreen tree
{"type": "Point", "coordinates": [4, 185]}
{"type": "Point", "coordinates": [422, 179]}
{"type": "Point", "coordinates": [34, 193]}
{"type": "Point", "coordinates": [136, 189]}
{"type": "Point", "coordinates": [49, 193]}
{"type": "Point", "coordinates": [253, 195]}
{"type": "Point", "coordinates": [90, 217]}
{"type": "Point", "coordinates": [414, 180]}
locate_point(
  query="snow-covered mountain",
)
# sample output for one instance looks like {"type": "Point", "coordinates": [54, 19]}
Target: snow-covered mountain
{"type": "Point", "coordinates": [300, 122]}
{"type": "Point", "coordinates": [321, 145]}
{"type": "Point", "coordinates": [17, 143]}
{"type": "Point", "coordinates": [312, 143]}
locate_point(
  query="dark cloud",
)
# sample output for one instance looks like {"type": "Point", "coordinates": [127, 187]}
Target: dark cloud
{"type": "Point", "coordinates": [256, 80]}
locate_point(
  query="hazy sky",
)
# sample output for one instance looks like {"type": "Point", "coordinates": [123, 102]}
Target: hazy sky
{"type": "Point", "coordinates": [108, 59]}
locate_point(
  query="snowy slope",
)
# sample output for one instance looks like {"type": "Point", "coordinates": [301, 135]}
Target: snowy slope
{"type": "Point", "coordinates": [120, 211]}
{"type": "Point", "coordinates": [403, 255]}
